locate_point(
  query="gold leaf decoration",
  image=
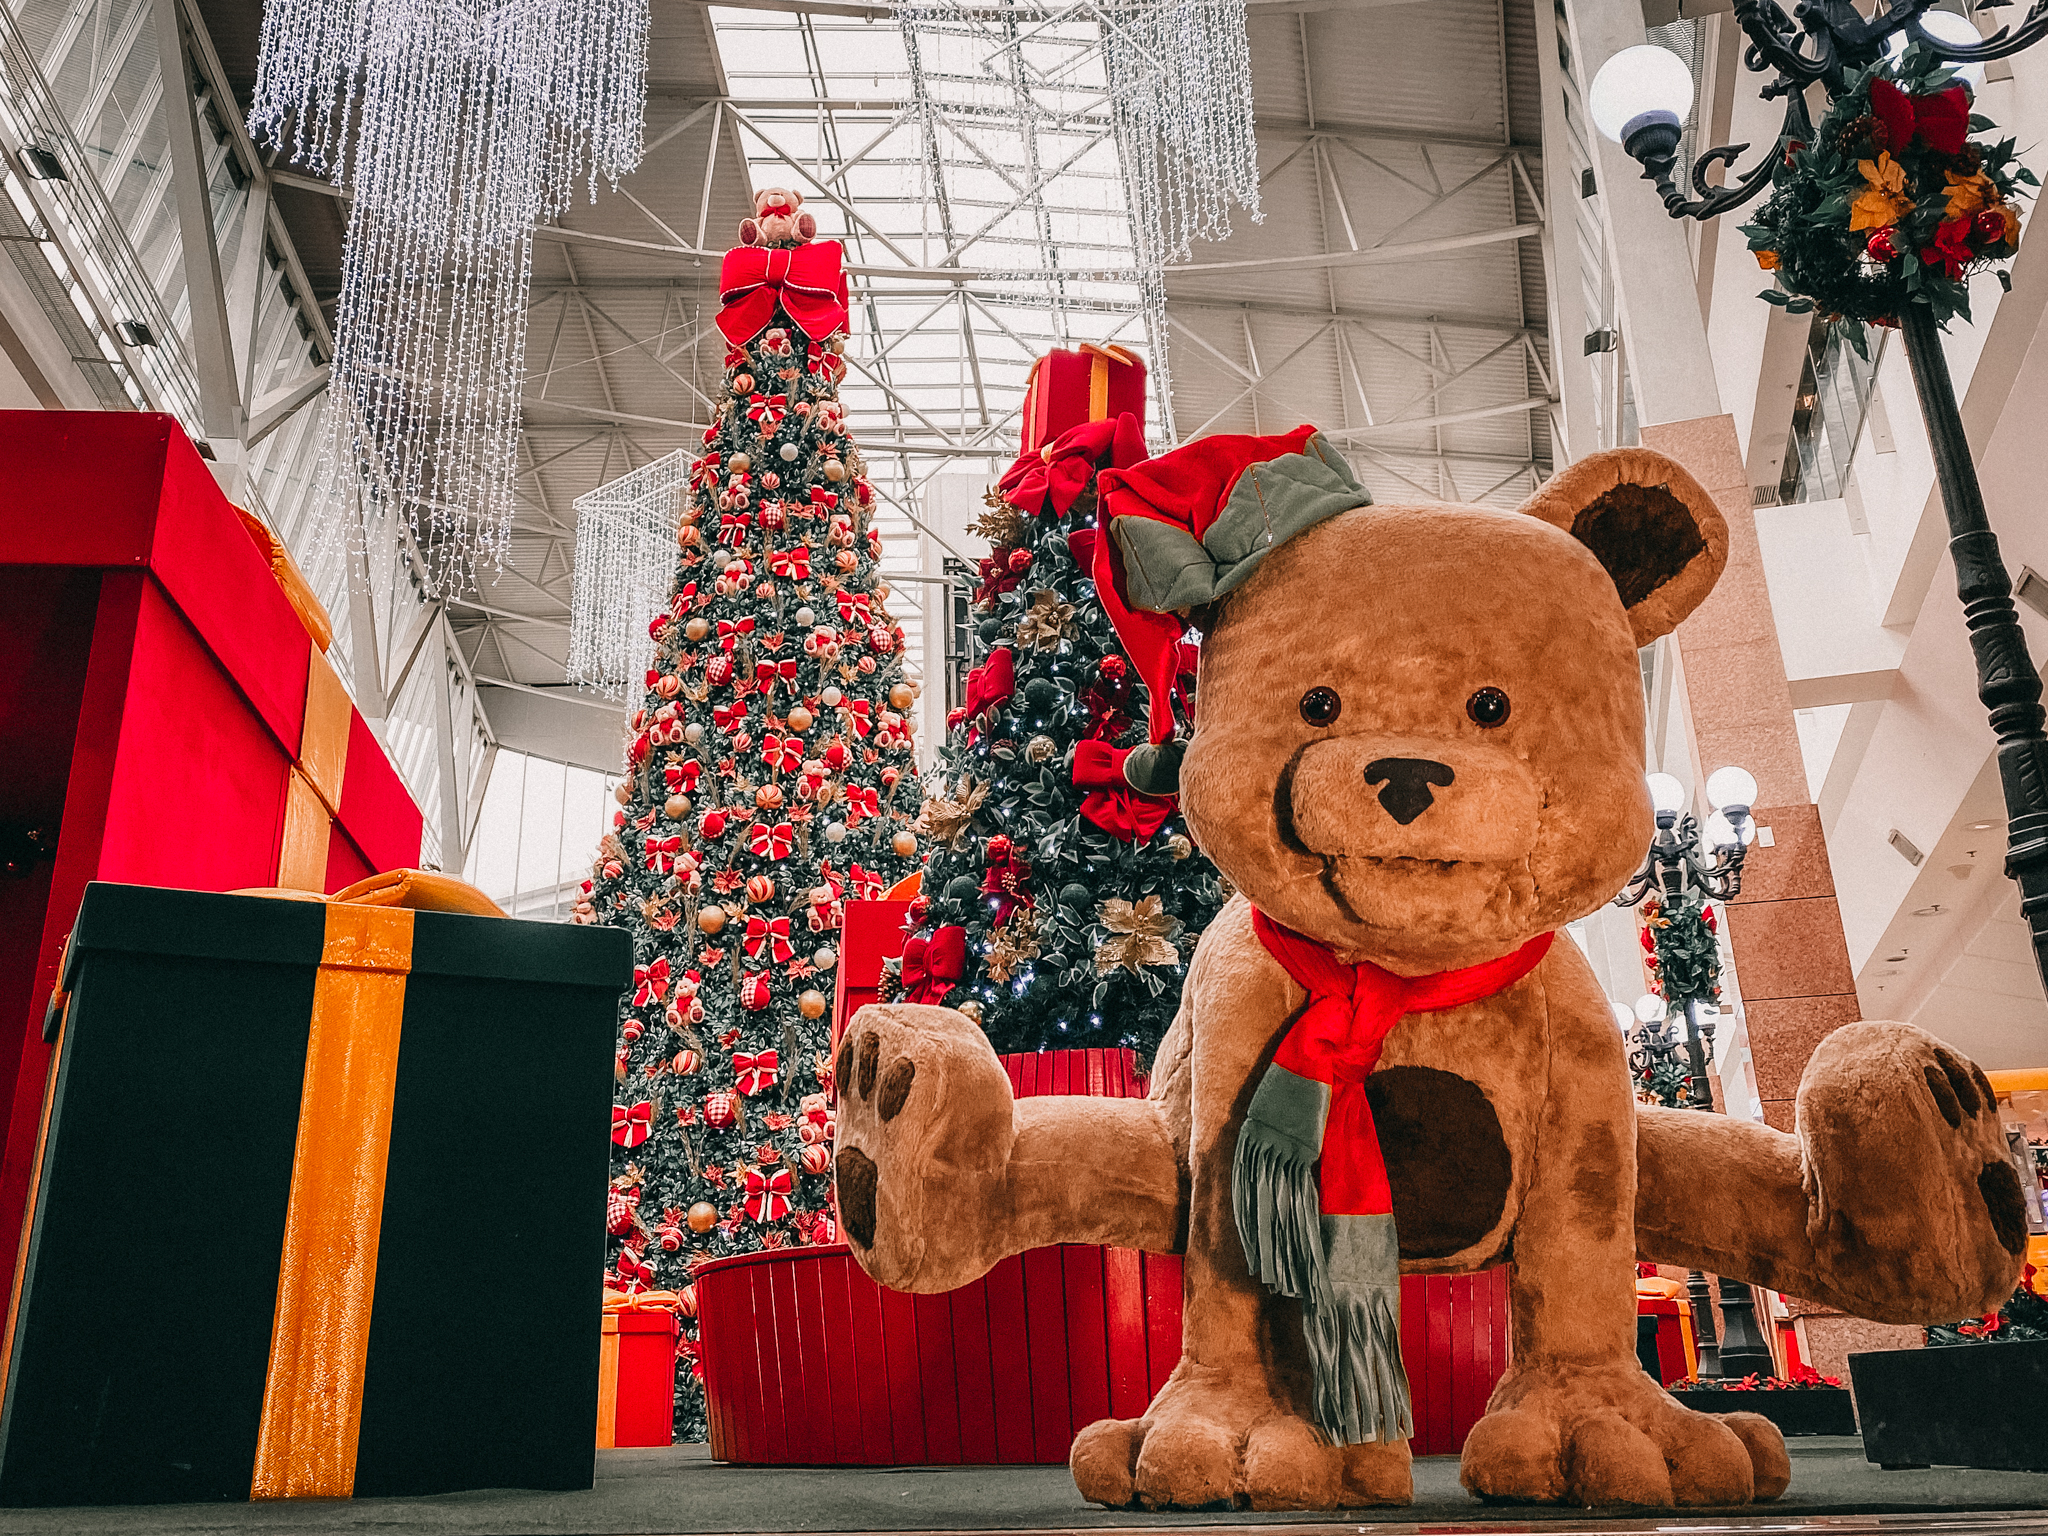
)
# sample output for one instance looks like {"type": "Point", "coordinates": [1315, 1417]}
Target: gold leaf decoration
{"type": "Point", "coordinates": [946, 818]}
{"type": "Point", "coordinates": [1141, 934]}
{"type": "Point", "coordinates": [1045, 621]}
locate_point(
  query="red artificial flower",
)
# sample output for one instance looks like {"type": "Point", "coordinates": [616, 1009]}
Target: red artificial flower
{"type": "Point", "coordinates": [1951, 249]}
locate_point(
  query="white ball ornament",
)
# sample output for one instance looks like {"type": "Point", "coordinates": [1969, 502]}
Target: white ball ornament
{"type": "Point", "coordinates": [832, 698]}
{"type": "Point", "coordinates": [805, 618]}
{"type": "Point", "coordinates": [825, 958]}
{"type": "Point", "coordinates": [835, 831]}
{"type": "Point", "coordinates": [789, 452]}
{"type": "Point", "coordinates": [693, 733]}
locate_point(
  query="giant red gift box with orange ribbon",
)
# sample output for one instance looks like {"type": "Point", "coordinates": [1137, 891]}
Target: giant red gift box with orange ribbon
{"type": "Point", "coordinates": [166, 713]}
{"type": "Point", "coordinates": [636, 1371]}
{"type": "Point", "coordinates": [1067, 388]}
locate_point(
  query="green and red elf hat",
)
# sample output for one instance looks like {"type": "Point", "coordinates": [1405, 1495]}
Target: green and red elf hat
{"type": "Point", "coordinates": [1187, 527]}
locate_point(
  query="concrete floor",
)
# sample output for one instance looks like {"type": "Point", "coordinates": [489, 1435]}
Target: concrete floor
{"type": "Point", "coordinates": [681, 1492]}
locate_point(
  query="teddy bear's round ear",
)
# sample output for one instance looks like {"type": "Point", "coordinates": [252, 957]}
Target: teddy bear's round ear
{"type": "Point", "coordinates": [1649, 522]}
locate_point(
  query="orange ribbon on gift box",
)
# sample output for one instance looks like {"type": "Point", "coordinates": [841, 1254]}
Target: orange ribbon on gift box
{"type": "Point", "coordinates": [1100, 357]}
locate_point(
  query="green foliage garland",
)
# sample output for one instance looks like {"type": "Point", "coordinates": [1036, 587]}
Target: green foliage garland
{"type": "Point", "coordinates": [1859, 224]}
{"type": "Point", "coordinates": [2025, 1316]}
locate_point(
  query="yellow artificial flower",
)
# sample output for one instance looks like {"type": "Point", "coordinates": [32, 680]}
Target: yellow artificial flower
{"type": "Point", "coordinates": [2012, 224]}
{"type": "Point", "coordinates": [1768, 260]}
{"type": "Point", "coordinates": [1884, 200]}
{"type": "Point", "coordinates": [1967, 194]}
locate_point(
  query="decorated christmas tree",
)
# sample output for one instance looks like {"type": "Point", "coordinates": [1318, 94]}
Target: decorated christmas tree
{"type": "Point", "coordinates": [1060, 906]}
{"type": "Point", "coordinates": [770, 779]}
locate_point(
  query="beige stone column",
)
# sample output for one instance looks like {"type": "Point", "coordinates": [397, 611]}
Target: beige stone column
{"type": "Point", "coordinates": [1791, 960]}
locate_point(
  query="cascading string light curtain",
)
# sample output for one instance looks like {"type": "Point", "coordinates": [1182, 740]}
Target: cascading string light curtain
{"type": "Point", "coordinates": [456, 126]}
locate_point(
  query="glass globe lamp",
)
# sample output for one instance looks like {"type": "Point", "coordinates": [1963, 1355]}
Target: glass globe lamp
{"type": "Point", "coordinates": [1640, 97]}
{"type": "Point", "coordinates": [1650, 1008]}
{"type": "Point", "coordinates": [1667, 796]}
{"type": "Point", "coordinates": [1946, 27]}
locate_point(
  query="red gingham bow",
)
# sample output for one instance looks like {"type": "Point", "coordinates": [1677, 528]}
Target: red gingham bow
{"type": "Point", "coordinates": [774, 933]}
{"type": "Point", "coordinates": [756, 1073]}
{"type": "Point", "coordinates": [661, 853]}
{"type": "Point", "coordinates": [771, 842]}
{"type": "Point", "coordinates": [632, 1126]}
{"type": "Point", "coordinates": [729, 632]}
{"type": "Point", "coordinates": [861, 801]}
{"type": "Point", "coordinates": [768, 410]}
{"type": "Point", "coordinates": [768, 1194]}
{"type": "Point", "coordinates": [781, 752]}
{"type": "Point", "coordinates": [732, 527]}
{"type": "Point", "coordinates": [682, 777]}
{"type": "Point", "coordinates": [650, 983]}
{"type": "Point", "coordinates": [795, 564]}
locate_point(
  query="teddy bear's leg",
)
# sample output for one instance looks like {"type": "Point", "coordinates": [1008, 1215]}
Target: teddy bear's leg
{"type": "Point", "coordinates": [1895, 1201]}
{"type": "Point", "coordinates": [941, 1172]}
{"type": "Point", "coordinates": [1576, 1420]}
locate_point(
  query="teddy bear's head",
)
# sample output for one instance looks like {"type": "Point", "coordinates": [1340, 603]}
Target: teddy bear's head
{"type": "Point", "coordinates": [1419, 733]}
{"type": "Point", "coordinates": [778, 219]}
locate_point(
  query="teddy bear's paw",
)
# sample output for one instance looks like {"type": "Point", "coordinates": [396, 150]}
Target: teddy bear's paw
{"type": "Point", "coordinates": [1611, 1436]}
{"type": "Point", "coordinates": [925, 1124]}
{"type": "Point", "coordinates": [1208, 1445]}
{"type": "Point", "coordinates": [1913, 1195]}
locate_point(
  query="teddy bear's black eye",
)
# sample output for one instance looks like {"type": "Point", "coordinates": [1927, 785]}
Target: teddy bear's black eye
{"type": "Point", "coordinates": [1487, 707]}
{"type": "Point", "coordinates": [1321, 706]}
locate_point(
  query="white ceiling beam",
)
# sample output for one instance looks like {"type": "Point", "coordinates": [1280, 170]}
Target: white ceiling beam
{"type": "Point", "coordinates": [1378, 256]}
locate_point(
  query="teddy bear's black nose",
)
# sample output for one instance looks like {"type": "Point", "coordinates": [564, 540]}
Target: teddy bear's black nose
{"type": "Point", "coordinates": [1408, 781]}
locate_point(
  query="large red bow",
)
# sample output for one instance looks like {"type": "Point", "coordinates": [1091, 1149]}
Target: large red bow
{"type": "Point", "coordinates": [794, 564]}
{"type": "Point", "coordinates": [774, 933]}
{"type": "Point", "coordinates": [768, 1194]}
{"type": "Point", "coordinates": [782, 753]}
{"type": "Point", "coordinates": [1111, 803]}
{"type": "Point", "coordinates": [632, 1126]}
{"type": "Point", "coordinates": [866, 884]}
{"type": "Point", "coordinates": [852, 603]}
{"type": "Point", "coordinates": [729, 632]}
{"type": "Point", "coordinates": [768, 410]}
{"type": "Point", "coordinates": [820, 497]}
{"type": "Point", "coordinates": [650, 983]}
{"type": "Point", "coordinates": [756, 1073]}
{"type": "Point", "coordinates": [933, 966]}
{"type": "Point", "coordinates": [1054, 477]}
{"type": "Point", "coordinates": [765, 673]}
{"type": "Point", "coordinates": [808, 279]}
{"type": "Point", "coordinates": [861, 801]}
{"type": "Point", "coordinates": [771, 842]}
{"type": "Point", "coordinates": [682, 777]}
{"type": "Point", "coordinates": [732, 527]}
{"type": "Point", "coordinates": [726, 716]}
{"type": "Point", "coordinates": [988, 686]}
{"type": "Point", "coordinates": [661, 853]}
{"type": "Point", "coordinates": [1942, 119]}
{"type": "Point", "coordinates": [860, 710]}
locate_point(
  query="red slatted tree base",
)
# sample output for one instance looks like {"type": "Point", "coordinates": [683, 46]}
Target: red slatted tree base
{"type": "Point", "coordinates": [808, 1362]}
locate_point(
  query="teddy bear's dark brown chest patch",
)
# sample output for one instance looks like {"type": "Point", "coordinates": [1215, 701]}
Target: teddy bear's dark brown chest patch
{"type": "Point", "coordinates": [1446, 1158]}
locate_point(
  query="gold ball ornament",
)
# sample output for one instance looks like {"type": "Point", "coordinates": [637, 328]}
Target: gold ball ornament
{"type": "Point", "coordinates": [834, 471]}
{"type": "Point", "coordinates": [837, 346]}
{"type": "Point", "coordinates": [799, 720]}
{"type": "Point", "coordinates": [971, 1009]}
{"type": "Point", "coordinates": [703, 1216]}
{"type": "Point", "coordinates": [711, 920]}
{"type": "Point", "coordinates": [902, 696]}
{"type": "Point", "coordinates": [1040, 749]}
{"type": "Point", "coordinates": [905, 843]}
{"type": "Point", "coordinates": [739, 463]}
{"type": "Point", "coordinates": [676, 807]}
{"type": "Point", "coordinates": [1179, 845]}
{"type": "Point", "coordinates": [624, 792]}
{"type": "Point", "coordinates": [697, 629]}
{"type": "Point", "coordinates": [811, 1004]}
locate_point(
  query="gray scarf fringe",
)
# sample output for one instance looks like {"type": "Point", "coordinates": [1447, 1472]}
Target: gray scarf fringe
{"type": "Point", "coordinates": [1345, 1270]}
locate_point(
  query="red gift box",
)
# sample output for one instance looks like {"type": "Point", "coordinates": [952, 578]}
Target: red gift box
{"type": "Point", "coordinates": [1068, 388]}
{"type": "Point", "coordinates": [636, 1372]}
{"type": "Point", "coordinates": [165, 712]}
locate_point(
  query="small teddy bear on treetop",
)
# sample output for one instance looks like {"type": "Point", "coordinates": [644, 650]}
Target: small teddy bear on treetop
{"type": "Point", "coordinates": [777, 219]}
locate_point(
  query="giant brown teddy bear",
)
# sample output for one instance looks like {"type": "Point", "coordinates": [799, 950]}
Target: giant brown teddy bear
{"type": "Point", "coordinates": [1419, 754]}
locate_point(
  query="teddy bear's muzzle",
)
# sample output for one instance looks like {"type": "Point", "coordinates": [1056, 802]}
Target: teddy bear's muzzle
{"type": "Point", "coordinates": [1427, 803]}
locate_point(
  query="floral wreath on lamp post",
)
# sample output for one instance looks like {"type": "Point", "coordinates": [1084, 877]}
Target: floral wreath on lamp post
{"type": "Point", "coordinates": [1892, 203]}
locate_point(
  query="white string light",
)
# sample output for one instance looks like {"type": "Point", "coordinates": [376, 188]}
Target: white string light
{"type": "Point", "coordinates": [625, 569]}
{"type": "Point", "coordinates": [456, 126]}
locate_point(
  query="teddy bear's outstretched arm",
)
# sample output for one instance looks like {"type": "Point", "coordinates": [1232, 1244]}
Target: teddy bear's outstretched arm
{"type": "Point", "coordinates": [941, 1172]}
{"type": "Point", "coordinates": [1894, 1201]}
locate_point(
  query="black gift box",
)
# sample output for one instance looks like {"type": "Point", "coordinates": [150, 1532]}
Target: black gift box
{"type": "Point", "coordinates": [140, 1342]}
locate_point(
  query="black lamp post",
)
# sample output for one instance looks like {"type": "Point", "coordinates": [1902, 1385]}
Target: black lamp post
{"type": "Point", "coordinates": [1687, 863]}
{"type": "Point", "coordinates": [1818, 44]}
